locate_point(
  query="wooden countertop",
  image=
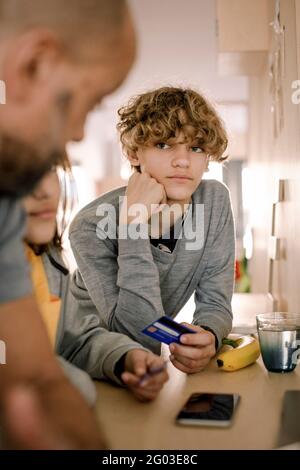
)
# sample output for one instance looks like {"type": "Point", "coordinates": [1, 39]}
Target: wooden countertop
{"type": "Point", "coordinates": [129, 424]}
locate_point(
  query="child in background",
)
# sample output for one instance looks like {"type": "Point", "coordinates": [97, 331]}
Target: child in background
{"type": "Point", "coordinates": [51, 286]}
{"type": "Point", "coordinates": [169, 135]}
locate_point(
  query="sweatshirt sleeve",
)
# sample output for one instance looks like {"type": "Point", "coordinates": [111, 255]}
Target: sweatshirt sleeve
{"type": "Point", "coordinates": [82, 340]}
{"type": "Point", "coordinates": [214, 291]}
{"type": "Point", "coordinates": [122, 281]}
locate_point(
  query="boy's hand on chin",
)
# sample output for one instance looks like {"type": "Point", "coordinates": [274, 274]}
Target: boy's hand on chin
{"type": "Point", "coordinates": [138, 363]}
{"type": "Point", "coordinates": [144, 190]}
{"type": "Point", "coordinates": [195, 352]}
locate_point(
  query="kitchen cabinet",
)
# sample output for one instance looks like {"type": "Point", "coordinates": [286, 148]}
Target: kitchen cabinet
{"type": "Point", "coordinates": [243, 31]}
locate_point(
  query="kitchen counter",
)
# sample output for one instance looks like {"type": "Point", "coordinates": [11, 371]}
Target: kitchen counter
{"type": "Point", "coordinates": [129, 424]}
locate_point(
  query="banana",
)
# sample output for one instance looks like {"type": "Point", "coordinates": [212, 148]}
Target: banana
{"type": "Point", "coordinates": [245, 350]}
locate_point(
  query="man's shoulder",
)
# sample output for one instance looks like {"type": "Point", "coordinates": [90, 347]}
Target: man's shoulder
{"type": "Point", "coordinates": [7, 205]}
{"type": "Point", "coordinates": [14, 271]}
{"type": "Point", "coordinates": [12, 216]}
{"type": "Point", "coordinates": [88, 217]}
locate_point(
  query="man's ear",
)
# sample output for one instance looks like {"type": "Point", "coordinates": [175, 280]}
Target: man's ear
{"type": "Point", "coordinates": [133, 158]}
{"type": "Point", "coordinates": [29, 62]}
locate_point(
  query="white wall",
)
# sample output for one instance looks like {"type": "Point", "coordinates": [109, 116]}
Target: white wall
{"type": "Point", "coordinates": [272, 158]}
{"type": "Point", "coordinates": [176, 45]}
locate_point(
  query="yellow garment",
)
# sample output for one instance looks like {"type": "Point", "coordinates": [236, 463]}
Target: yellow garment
{"type": "Point", "coordinates": [49, 305]}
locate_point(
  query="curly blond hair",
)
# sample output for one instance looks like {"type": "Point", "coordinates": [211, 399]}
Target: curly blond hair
{"type": "Point", "coordinates": [158, 116]}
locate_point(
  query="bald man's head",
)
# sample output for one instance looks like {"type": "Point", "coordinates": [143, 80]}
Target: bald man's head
{"type": "Point", "coordinates": [58, 60]}
{"type": "Point", "coordinates": [77, 23]}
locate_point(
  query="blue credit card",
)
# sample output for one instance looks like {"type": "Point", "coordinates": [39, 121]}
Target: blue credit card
{"type": "Point", "coordinates": [166, 330]}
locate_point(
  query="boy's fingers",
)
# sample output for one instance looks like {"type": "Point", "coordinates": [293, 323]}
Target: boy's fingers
{"type": "Point", "coordinates": [159, 378]}
{"type": "Point", "coordinates": [201, 338]}
{"type": "Point", "coordinates": [140, 363]}
{"type": "Point", "coordinates": [192, 364]}
{"type": "Point", "coordinates": [151, 383]}
{"type": "Point", "coordinates": [130, 379]}
{"type": "Point", "coordinates": [156, 380]}
{"type": "Point", "coordinates": [186, 367]}
{"type": "Point", "coordinates": [154, 361]}
{"type": "Point", "coordinates": [181, 367]}
{"type": "Point", "coordinates": [204, 338]}
{"type": "Point", "coordinates": [192, 327]}
{"type": "Point", "coordinates": [192, 352]}
{"type": "Point", "coordinates": [187, 351]}
{"type": "Point", "coordinates": [150, 388]}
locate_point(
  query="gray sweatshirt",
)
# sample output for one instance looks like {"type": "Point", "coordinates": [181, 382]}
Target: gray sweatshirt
{"type": "Point", "coordinates": [80, 339]}
{"type": "Point", "coordinates": [132, 283]}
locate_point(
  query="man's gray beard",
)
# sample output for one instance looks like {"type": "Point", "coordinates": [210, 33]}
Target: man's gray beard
{"type": "Point", "coordinates": [21, 166]}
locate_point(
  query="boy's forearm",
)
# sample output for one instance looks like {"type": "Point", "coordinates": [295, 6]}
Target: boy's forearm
{"type": "Point", "coordinates": [125, 289]}
{"type": "Point", "coordinates": [85, 343]}
{"type": "Point", "coordinates": [139, 301]}
{"type": "Point", "coordinates": [215, 289]}
{"type": "Point", "coordinates": [218, 322]}
{"type": "Point", "coordinates": [96, 351]}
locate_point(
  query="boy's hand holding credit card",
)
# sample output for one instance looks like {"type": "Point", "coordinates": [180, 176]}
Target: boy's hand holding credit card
{"type": "Point", "coordinates": [191, 346]}
{"type": "Point", "coordinates": [166, 330]}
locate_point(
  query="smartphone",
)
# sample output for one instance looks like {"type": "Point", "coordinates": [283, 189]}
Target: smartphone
{"type": "Point", "coordinates": [209, 409]}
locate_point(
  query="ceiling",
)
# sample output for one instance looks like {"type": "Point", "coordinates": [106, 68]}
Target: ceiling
{"type": "Point", "coordinates": [177, 45]}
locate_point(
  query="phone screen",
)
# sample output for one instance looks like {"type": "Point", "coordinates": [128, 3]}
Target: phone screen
{"type": "Point", "coordinates": [210, 409]}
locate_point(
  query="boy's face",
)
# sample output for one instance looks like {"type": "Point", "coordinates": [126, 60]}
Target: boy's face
{"type": "Point", "coordinates": [177, 165]}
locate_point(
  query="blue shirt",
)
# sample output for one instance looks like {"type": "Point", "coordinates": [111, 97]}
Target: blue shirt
{"type": "Point", "coordinates": [14, 270]}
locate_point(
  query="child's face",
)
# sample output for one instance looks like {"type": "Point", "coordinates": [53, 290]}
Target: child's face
{"type": "Point", "coordinates": [177, 165]}
{"type": "Point", "coordinates": [41, 208]}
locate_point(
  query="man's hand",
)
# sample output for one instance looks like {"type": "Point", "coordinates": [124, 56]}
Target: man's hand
{"type": "Point", "coordinates": [195, 352]}
{"type": "Point", "coordinates": [40, 419]}
{"type": "Point", "coordinates": [26, 424]}
{"type": "Point", "coordinates": [138, 363]}
{"type": "Point", "coordinates": [144, 190]}
{"type": "Point", "coordinates": [34, 390]}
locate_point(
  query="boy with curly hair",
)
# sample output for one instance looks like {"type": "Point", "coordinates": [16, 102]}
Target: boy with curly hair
{"type": "Point", "coordinates": [143, 267]}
